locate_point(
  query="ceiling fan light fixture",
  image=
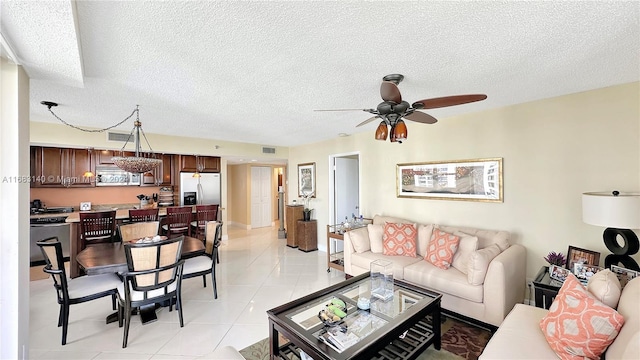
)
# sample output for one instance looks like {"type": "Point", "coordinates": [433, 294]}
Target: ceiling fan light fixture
{"type": "Point", "coordinates": [382, 131]}
{"type": "Point", "coordinates": [400, 132]}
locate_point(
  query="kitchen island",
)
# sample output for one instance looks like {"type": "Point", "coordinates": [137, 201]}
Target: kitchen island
{"type": "Point", "coordinates": [76, 244]}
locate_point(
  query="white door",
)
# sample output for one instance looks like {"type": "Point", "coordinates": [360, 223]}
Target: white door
{"type": "Point", "coordinates": [346, 188]}
{"type": "Point", "coordinates": [260, 196]}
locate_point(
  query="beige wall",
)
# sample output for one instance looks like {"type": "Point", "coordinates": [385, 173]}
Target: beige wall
{"type": "Point", "coordinates": [553, 150]}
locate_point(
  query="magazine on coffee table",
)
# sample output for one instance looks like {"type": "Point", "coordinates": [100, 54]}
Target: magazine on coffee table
{"type": "Point", "coordinates": [355, 327]}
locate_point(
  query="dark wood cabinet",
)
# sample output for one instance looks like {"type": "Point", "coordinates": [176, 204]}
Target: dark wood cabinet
{"type": "Point", "coordinates": [163, 173]}
{"type": "Point", "coordinates": [103, 157]}
{"type": "Point", "coordinates": [57, 167]}
{"type": "Point", "coordinates": [208, 164]}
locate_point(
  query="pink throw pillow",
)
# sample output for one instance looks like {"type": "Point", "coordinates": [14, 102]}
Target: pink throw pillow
{"type": "Point", "coordinates": [441, 249]}
{"type": "Point", "coordinates": [579, 326]}
{"type": "Point", "coordinates": [399, 239]}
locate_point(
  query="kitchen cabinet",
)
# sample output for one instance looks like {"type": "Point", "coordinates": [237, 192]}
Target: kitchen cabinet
{"type": "Point", "coordinates": [61, 167]}
{"type": "Point", "coordinates": [163, 173]}
{"type": "Point", "coordinates": [209, 164]}
{"type": "Point", "coordinates": [103, 157]}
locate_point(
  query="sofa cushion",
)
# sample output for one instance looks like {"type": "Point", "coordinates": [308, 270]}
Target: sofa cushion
{"type": "Point", "coordinates": [360, 239]}
{"type": "Point", "coordinates": [381, 220]}
{"type": "Point", "coordinates": [399, 239]}
{"type": "Point", "coordinates": [627, 343]}
{"type": "Point", "coordinates": [424, 236]}
{"type": "Point", "coordinates": [375, 237]}
{"type": "Point", "coordinates": [485, 237]}
{"type": "Point", "coordinates": [450, 281]}
{"type": "Point", "coordinates": [441, 249]}
{"type": "Point", "coordinates": [365, 259]}
{"type": "Point", "coordinates": [605, 286]}
{"type": "Point", "coordinates": [519, 336]}
{"type": "Point", "coordinates": [479, 261]}
{"type": "Point", "coordinates": [578, 325]}
{"type": "Point", "coordinates": [468, 244]}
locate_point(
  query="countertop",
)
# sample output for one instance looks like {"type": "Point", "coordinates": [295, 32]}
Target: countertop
{"type": "Point", "coordinates": [121, 213]}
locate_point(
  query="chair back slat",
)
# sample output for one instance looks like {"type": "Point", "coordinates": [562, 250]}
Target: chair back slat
{"type": "Point", "coordinates": [141, 215]}
{"type": "Point", "coordinates": [159, 257]}
{"type": "Point", "coordinates": [179, 219]}
{"type": "Point", "coordinates": [206, 213]}
{"type": "Point", "coordinates": [97, 227]}
{"type": "Point", "coordinates": [138, 230]}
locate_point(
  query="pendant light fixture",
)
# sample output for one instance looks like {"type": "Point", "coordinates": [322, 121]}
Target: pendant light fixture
{"type": "Point", "coordinates": [88, 173]}
{"type": "Point", "coordinates": [133, 164]}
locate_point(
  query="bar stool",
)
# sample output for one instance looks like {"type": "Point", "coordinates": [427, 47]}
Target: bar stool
{"type": "Point", "coordinates": [204, 214]}
{"type": "Point", "coordinates": [143, 215]}
{"type": "Point", "coordinates": [97, 227]}
{"type": "Point", "coordinates": [178, 221]}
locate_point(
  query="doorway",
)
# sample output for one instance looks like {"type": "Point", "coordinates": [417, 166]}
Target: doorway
{"type": "Point", "coordinates": [261, 201]}
{"type": "Point", "coordinates": [344, 187]}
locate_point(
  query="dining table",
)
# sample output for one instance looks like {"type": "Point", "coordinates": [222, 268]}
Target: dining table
{"type": "Point", "coordinates": [109, 258]}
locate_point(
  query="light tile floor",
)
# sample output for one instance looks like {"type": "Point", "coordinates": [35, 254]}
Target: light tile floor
{"type": "Point", "coordinates": [257, 272]}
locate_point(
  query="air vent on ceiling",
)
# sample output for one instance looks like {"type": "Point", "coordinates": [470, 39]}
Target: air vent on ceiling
{"type": "Point", "coordinates": [268, 150]}
{"type": "Point", "coordinates": [121, 137]}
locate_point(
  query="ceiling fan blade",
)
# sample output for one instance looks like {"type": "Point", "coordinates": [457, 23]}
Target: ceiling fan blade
{"type": "Point", "coordinates": [390, 92]}
{"type": "Point", "coordinates": [368, 121]}
{"type": "Point", "coordinates": [448, 101]}
{"type": "Point", "coordinates": [421, 117]}
{"type": "Point", "coordinates": [341, 110]}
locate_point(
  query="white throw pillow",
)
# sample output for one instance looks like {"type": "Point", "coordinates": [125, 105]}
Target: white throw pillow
{"type": "Point", "coordinates": [468, 244]}
{"type": "Point", "coordinates": [360, 239]}
{"type": "Point", "coordinates": [479, 263]}
{"type": "Point", "coordinates": [375, 237]}
{"type": "Point", "coordinates": [605, 286]}
{"type": "Point", "coordinates": [424, 235]}
{"type": "Point", "coordinates": [381, 220]}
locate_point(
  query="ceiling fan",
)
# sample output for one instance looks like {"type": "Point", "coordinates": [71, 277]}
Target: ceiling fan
{"type": "Point", "coordinates": [392, 110]}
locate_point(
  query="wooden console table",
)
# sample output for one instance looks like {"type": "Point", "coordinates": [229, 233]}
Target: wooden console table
{"type": "Point", "coordinates": [292, 215]}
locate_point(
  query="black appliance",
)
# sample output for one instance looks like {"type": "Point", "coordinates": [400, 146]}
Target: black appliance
{"type": "Point", "coordinates": [50, 222]}
{"type": "Point", "coordinates": [190, 198]}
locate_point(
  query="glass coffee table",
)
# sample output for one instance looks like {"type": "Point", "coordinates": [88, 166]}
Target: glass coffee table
{"type": "Point", "coordinates": [400, 328]}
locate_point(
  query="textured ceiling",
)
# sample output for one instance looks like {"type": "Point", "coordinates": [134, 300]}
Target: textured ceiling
{"type": "Point", "coordinates": [255, 71]}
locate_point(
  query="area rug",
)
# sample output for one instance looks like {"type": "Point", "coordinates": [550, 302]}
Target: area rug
{"type": "Point", "coordinates": [459, 341]}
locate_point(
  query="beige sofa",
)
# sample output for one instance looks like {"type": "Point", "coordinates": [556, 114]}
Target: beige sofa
{"type": "Point", "coordinates": [520, 336]}
{"type": "Point", "coordinates": [488, 299]}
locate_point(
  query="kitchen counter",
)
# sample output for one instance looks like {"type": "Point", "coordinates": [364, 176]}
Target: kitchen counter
{"type": "Point", "coordinates": [121, 214]}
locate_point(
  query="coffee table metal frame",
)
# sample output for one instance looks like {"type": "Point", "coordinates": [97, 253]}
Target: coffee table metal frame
{"type": "Point", "coordinates": [383, 343]}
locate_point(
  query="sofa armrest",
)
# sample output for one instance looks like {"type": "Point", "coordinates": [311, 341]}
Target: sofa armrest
{"type": "Point", "coordinates": [348, 250]}
{"type": "Point", "coordinates": [505, 283]}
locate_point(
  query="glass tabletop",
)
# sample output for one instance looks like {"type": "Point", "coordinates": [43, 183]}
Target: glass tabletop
{"type": "Point", "coordinates": [357, 324]}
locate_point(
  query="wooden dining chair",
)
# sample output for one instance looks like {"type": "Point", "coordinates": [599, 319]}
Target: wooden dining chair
{"type": "Point", "coordinates": [204, 214]}
{"type": "Point", "coordinates": [138, 230]}
{"type": "Point", "coordinates": [154, 275]}
{"type": "Point", "coordinates": [178, 221]}
{"type": "Point", "coordinates": [206, 264]}
{"type": "Point", "coordinates": [97, 227]}
{"type": "Point", "coordinates": [138, 215]}
{"type": "Point", "coordinates": [77, 290]}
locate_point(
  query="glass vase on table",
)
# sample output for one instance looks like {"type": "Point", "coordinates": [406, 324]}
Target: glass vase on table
{"type": "Point", "coordinates": [382, 279]}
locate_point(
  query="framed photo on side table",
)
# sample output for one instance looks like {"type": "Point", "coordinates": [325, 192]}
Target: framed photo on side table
{"type": "Point", "coordinates": [307, 180]}
{"type": "Point", "coordinates": [558, 273]}
{"type": "Point", "coordinates": [586, 257]}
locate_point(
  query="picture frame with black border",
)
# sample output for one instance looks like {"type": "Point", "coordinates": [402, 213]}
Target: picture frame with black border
{"type": "Point", "coordinates": [584, 256]}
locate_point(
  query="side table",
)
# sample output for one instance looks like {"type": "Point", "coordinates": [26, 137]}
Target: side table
{"type": "Point", "coordinates": [545, 287]}
{"type": "Point", "coordinates": [293, 214]}
{"type": "Point", "coordinates": [307, 235]}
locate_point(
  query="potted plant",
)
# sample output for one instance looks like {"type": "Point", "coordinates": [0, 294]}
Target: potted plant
{"type": "Point", "coordinates": [554, 258]}
{"type": "Point", "coordinates": [306, 199]}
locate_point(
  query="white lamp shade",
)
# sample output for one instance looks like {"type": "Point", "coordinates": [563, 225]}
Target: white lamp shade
{"type": "Point", "coordinates": [605, 209]}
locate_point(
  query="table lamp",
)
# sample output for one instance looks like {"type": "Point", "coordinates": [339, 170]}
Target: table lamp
{"type": "Point", "coordinates": [618, 212]}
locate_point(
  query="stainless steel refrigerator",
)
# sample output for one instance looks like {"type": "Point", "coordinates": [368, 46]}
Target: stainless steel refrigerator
{"type": "Point", "coordinates": [204, 189]}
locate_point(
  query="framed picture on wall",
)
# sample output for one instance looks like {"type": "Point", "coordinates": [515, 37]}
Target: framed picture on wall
{"type": "Point", "coordinates": [470, 180]}
{"type": "Point", "coordinates": [583, 256]}
{"type": "Point", "coordinates": [307, 180]}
